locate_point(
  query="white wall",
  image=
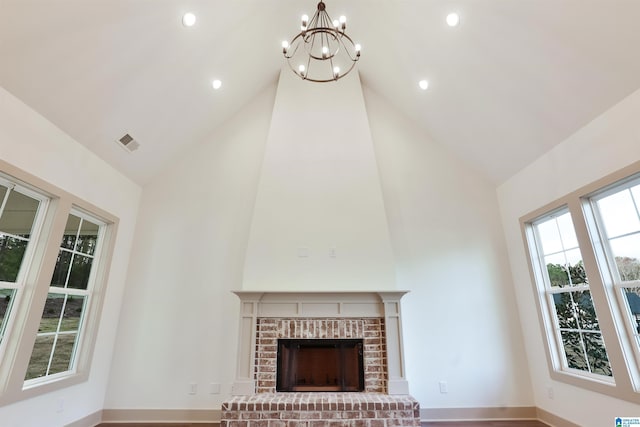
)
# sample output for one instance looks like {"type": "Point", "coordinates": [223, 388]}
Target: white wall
{"type": "Point", "coordinates": [179, 318]}
{"type": "Point", "coordinates": [30, 142]}
{"type": "Point", "coordinates": [460, 322]}
{"type": "Point", "coordinates": [605, 145]}
{"type": "Point", "coordinates": [319, 189]}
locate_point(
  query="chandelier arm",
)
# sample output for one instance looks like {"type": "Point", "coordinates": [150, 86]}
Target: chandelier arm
{"type": "Point", "coordinates": [314, 20]}
{"type": "Point", "coordinates": [348, 51]}
{"type": "Point", "coordinates": [325, 20]}
{"type": "Point", "coordinates": [335, 76]}
{"type": "Point", "coordinates": [293, 69]}
{"type": "Point", "coordinates": [324, 37]}
{"type": "Point", "coordinates": [312, 38]}
{"type": "Point", "coordinates": [324, 34]}
{"type": "Point", "coordinates": [308, 67]}
{"type": "Point", "coordinates": [295, 49]}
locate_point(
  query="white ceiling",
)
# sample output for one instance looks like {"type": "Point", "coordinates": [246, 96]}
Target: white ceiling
{"type": "Point", "coordinates": [514, 79]}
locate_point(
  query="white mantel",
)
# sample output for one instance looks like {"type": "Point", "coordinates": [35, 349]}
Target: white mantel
{"type": "Point", "coordinates": [383, 304]}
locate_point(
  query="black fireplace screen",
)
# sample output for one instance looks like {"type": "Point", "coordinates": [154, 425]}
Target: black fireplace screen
{"type": "Point", "coordinates": [320, 365]}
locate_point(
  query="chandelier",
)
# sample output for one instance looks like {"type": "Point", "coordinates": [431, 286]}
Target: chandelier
{"type": "Point", "coordinates": [322, 51]}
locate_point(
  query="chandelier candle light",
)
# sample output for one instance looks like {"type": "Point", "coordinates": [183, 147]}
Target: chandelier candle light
{"type": "Point", "coordinates": [322, 51]}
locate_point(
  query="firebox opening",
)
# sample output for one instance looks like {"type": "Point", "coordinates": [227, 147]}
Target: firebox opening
{"type": "Point", "coordinates": [320, 365]}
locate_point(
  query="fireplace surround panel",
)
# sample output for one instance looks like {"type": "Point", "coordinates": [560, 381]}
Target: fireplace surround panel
{"type": "Point", "coordinates": [373, 317]}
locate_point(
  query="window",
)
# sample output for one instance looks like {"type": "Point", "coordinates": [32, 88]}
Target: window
{"type": "Point", "coordinates": [54, 254]}
{"type": "Point", "coordinates": [584, 257]}
{"type": "Point", "coordinates": [575, 323]}
{"type": "Point", "coordinates": [617, 217]}
{"type": "Point", "coordinates": [71, 285]}
{"type": "Point", "coordinates": [19, 209]}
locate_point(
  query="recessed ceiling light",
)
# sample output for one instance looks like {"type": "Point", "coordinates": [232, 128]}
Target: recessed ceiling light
{"type": "Point", "coordinates": [216, 84]}
{"type": "Point", "coordinates": [424, 84]}
{"type": "Point", "coordinates": [188, 19]}
{"type": "Point", "coordinates": [453, 19]}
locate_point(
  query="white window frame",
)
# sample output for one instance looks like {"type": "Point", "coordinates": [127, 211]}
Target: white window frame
{"type": "Point", "coordinates": [607, 298]}
{"type": "Point", "coordinates": [24, 319]}
{"type": "Point", "coordinates": [27, 259]}
{"type": "Point", "coordinates": [611, 278]}
{"type": "Point", "coordinates": [546, 295]}
{"type": "Point", "coordinates": [88, 294]}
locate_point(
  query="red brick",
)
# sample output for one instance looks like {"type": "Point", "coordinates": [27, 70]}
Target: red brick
{"type": "Point", "coordinates": [310, 415]}
{"type": "Point", "coordinates": [249, 415]}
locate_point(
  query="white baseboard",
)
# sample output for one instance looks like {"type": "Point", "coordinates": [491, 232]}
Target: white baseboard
{"type": "Point", "coordinates": [554, 420]}
{"type": "Point", "coordinates": [90, 420]}
{"type": "Point", "coordinates": [161, 415]}
{"type": "Point", "coordinates": [478, 414]}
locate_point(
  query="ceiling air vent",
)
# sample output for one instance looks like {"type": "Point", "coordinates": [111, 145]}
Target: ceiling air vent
{"type": "Point", "coordinates": [128, 143]}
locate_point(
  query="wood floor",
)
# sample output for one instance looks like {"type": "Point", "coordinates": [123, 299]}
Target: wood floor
{"type": "Point", "coordinates": [159, 425]}
{"type": "Point", "coordinates": [431, 424]}
{"type": "Point", "coordinates": [487, 424]}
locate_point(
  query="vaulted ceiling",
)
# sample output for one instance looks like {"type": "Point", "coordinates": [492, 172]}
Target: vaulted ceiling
{"type": "Point", "coordinates": [515, 78]}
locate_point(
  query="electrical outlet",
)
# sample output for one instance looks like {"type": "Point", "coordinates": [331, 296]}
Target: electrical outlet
{"type": "Point", "coordinates": [193, 388]}
{"type": "Point", "coordinates": [444, 388]}
{"type": "Point", "coordinates": [550, 393]}
{"type": "Point", "coordinates": [214, 388]}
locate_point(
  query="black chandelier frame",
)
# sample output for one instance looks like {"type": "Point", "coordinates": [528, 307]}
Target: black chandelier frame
{"type": "Point", "coordinates": [323, 40]}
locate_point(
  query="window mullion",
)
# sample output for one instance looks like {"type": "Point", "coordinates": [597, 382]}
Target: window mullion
{"type": "Point", "coordinates": [69, 291]}
{"type": "Point", "coordinates": [574, 288]}
{"type": "Point", "coordinates": [10, 188]}
{"type": "Point", "coordinates": [635, 203]}
{"type": "Point", "coordinates": [557, 353]}
{"type": "Point", "coordinates": [53, 346]}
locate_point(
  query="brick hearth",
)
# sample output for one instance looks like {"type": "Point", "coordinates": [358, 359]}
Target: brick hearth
{"type": "Point", "coordinates": [321, 410]}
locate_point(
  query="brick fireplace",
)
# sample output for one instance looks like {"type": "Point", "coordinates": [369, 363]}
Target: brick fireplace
{"type": "Point", "coordinates": [272, 330]}
{"type": "Point", "coordinates": [329, 208]}
{"type": "Point", "coordinates": [372, 318]}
